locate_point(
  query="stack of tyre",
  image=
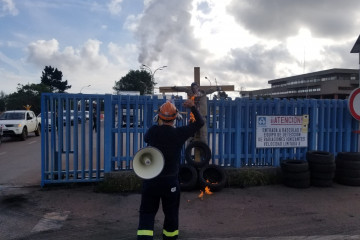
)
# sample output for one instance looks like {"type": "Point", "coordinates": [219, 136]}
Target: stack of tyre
{"type": "Point", "coordinates": [200, 174]}
{"type": "Point", "coordinates": [322, 168]}
{"type": "Point", "coordinates": [348, 168]}
{"type": "Point", "coordinates": [295, 173]}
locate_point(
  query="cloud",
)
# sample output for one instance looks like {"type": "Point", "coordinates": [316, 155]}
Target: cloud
{"type": "Point", "coordinates": [132, 22]}
{"type": "Point", "coordinates": [256, 60]}
{"type": "Point", "coordinates": [7, 7]}
{"type": "Point", "coordinates": [85, 65]}
{"type": "Point", "coordinates": [115, 6]}
{"type": "Point", "coordinates": [244, 43]}
{"type": "Point", "coordinates": [44, 52]}
{"type": "Point", "coordinates": [278, 19]}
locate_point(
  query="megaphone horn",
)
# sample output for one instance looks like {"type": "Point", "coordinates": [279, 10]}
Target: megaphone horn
{"type": "Point", "coordinates": [148, 162]}
{"type": "Point", "coordinates": [146, 159]}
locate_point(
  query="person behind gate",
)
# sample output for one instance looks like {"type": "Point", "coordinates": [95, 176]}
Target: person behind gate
{"type": "Point", "coordinates": [169, 140]}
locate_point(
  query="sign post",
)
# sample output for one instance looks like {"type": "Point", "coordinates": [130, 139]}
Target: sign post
{"type": "Point", "coordinates": [354, 103]}
{"type": "Point", "coordinates": [282, 131]}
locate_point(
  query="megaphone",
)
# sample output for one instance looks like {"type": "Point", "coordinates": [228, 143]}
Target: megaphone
{"type": "Point", "coordinates": [148, 162]}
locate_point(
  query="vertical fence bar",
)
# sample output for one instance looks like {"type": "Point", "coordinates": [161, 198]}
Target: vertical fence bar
{"type": "Point", "coordinates": [333, 124]}
{"type": "Point", "coordinates": [327, 127]}
{"type": "Point", "coordinates": [347, 136]}
{"type": "Point", "coordinates": [228, 144]}
{"type": "Point", "coordinates": [312, 136]}
{"type": "Point", "coordinates": [246, 132]}
{"type": "Point", "coordinates": [108, 134]}
{"type": "Point", "coordinates": [340, 128]}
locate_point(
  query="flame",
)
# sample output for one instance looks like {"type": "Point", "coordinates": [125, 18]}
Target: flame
{"type": "Point", "coordinates": [192, 117]}
{"type": "Point", "coordinates": [201, 195]}
{"type": "Point", "coordinates": [207, 191]}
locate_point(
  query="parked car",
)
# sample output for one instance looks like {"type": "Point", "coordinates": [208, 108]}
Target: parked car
{"type": "Point", "coordinates": [72, 121]}
{"type": "Point", "coordinates": [19, 123]}
{"type": "Point", "coordinates": [131, 118]}
{"type": "Point", "coordinates": [87, 115]}
{"type": "Point", "coordinates": [48, 120]}
{"type": "Point", "coordinates": [1, 132]}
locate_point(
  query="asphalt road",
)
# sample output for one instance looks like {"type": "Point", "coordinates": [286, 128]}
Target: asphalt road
{"type": "Point", "coordinates": [266, 212]}
{"type": "Point", "coordinates": [28, 211]}
{"type": "Point", "coordinates": [20, 161]}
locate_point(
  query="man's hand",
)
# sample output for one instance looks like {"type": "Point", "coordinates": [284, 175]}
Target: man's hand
{"type": "Point", "coordinates": [189, 103]}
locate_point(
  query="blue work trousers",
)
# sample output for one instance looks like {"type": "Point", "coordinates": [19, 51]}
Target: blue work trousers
{"type": "Point", "coordinates": [168, 190]}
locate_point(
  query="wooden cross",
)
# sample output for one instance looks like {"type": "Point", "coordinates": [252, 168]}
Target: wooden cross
{"type": "Point", "coordinates": [201, 102]}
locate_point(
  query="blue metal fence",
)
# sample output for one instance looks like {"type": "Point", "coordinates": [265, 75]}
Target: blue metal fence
{"type": "Point", "coordinates": [74, 151]}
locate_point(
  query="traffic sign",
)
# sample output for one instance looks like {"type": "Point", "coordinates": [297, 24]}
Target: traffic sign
{"type": "Point", "coordinates": [354, 103]}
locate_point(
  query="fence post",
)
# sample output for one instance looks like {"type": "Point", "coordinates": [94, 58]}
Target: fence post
{"type": "Point", "coordinates": [109, 140]}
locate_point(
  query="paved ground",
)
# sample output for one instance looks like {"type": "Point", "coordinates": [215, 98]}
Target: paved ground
{"type": "Point", "coordinates": [266, 212]}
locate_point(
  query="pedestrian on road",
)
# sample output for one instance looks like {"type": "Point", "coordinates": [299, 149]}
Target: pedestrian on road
{"type": "Point", "coordinates": [94, 118]}
{"type": "Point", "coordinates": [169, 140]}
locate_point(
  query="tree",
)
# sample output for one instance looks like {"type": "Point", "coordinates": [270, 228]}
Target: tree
{"type": "Point", "coordinates": [26, 95]}
{"type": "Point", "coordinates": [2, 101]}
{"type": "Point", "coordinates": [136, 80]}
{"type": "Point", "coordinates": [53, 78]}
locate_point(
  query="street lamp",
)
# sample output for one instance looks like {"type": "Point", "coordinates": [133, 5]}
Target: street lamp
{"type": "Point", "coordinates": [146, 67]}
{"type": "Point", "coordinates": [210, 83]}
{"type": "Point", "coordinates": [208, 80]}
{"type": "Point", "coordinates": [84, 87]}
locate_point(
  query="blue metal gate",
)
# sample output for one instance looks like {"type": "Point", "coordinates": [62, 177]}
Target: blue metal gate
{"type": "Point", "coordinates": [73, 150]}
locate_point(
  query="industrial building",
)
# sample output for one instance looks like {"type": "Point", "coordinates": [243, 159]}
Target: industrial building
{"type": "Point", "coordinates": [336, 83]}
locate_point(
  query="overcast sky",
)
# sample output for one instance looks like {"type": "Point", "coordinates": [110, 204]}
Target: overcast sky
{"type": "Point", "coordinates": [237, 42]}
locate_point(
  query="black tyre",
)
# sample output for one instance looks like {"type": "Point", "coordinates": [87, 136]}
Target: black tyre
{"type": "Point", "coordinates": [37, 131]}
{"type": "Point", "coordinates": [348, 181]}
{"type": "Point", "coordinates": [296, 176]}
{"type": "Point", "coordinates": [317, 167]}
{"type": "Point", "coordinates": [295, 173]}
{"type": "Point", "coordinates": [294, 166]}
{"type": "Point", "coordinates": [348, 156]}
{"type": "Point", "coordinates": [347, 164]}
{"type": "Point", "coordinates": [204, 150]}
{"type": "Point", "coordinates": [351, 173]}
{"type": "Point", "coordinates": [322, 175]}
{"type": "Point", "coordinates": [188, 177]}
{"type": "Point", "coordinates": [212, 176]}
{"type": "Point", "coordinates": [24, 134]}
{"type": "Point", "coordinates": [320, 157]}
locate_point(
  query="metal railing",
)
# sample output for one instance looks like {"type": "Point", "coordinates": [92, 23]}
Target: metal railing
{"type": "Point", "coordinates": [72, 151]}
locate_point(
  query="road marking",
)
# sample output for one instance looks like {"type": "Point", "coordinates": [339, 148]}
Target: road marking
{"type": "Point", "coordinates": [32, 142]}
{"type": "Point", "coordinates": [51, 221]}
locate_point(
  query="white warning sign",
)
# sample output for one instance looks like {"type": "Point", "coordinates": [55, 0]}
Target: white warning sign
{"type": "Point", "coordinates": [282, 131]}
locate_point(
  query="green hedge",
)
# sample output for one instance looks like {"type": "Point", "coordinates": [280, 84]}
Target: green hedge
{"type": "Point", "coordinates": [128, 181]}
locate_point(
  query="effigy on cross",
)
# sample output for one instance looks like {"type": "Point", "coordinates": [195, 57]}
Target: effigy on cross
{"type": "Point", "coordinates": [198, 93]}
